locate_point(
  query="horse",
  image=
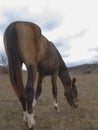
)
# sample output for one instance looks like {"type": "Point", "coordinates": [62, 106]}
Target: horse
{"type": "Point", "coordinates": [25, 43]}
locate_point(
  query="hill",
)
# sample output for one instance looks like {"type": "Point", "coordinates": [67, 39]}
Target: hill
{"type": "Point", "coordinates": [85, 68]}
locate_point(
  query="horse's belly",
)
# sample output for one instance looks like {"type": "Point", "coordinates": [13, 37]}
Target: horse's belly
{"type": "Point", "coordinates": [46, 69]}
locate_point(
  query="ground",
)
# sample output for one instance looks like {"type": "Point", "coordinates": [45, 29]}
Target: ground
{"type": "Point", "coordinates": [85, 117]}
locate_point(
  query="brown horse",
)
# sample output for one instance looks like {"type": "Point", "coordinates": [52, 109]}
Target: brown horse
{"type": "Point", "coordinates": [24, 43]}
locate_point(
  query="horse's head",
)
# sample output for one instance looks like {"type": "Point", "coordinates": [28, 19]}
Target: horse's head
{"type": "Point", "coordinates": [72, 94]}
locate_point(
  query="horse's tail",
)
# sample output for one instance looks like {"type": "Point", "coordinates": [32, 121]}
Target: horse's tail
{"type": "Point", "coordinates": [10, 41]}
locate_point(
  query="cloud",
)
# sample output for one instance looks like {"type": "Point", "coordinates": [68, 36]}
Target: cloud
{"type": "Point", "coordinates": [93, 50]}
{"type": "Point", "coordinates": [95, 56]}
{"type": "Point", "coordinates": [48, 21]}
{"type": "Point", "coordinates": [96, 49]}
{"type": "Point", "coordinates": [63, 47]}
{"type": "Point", "coordinates": [65, 55]}
{"type": "Point", "coordinates": [63, 43]}
{"type": "Point", "coordinates": [79, 34]}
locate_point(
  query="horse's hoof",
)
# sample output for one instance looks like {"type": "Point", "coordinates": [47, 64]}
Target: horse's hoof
{"type": "Point", "coordinates": [31, 121]}
{"type": "Point", "coordinates": [75, 106]}
{"type": "Point", "coordinates": [32, 128]}
{"type": "Point", "coordinates": [57, 109]}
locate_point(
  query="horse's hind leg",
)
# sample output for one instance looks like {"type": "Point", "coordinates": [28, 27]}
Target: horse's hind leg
{"type": "Point", "coordinates": [30, 94]}
{"type": "Point", "coordinates": [19, 88]}
{"type": "Point", "coordinates": [39, 88]}
{"type": "Point", "coordinates": [54, 91]}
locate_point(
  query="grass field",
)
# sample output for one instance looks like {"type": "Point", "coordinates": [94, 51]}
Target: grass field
{"type": "Point", "coordinates": [83, 118]}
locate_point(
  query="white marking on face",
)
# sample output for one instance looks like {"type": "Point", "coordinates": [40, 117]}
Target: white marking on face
{"type": "Point", "coordinates": [31, 121]}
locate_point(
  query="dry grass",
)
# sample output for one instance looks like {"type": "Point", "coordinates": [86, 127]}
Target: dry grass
{"type": "Point", "coordinates": [83, 118]}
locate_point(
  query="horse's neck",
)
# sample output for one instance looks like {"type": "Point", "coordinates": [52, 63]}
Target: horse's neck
{"type": "Point", "coordinates": [64, 75]}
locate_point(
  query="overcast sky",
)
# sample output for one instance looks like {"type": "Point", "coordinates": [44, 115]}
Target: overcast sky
{"type": "Point", "coordinates": [71, 24]}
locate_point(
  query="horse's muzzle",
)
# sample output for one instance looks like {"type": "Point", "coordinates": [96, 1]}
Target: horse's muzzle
{"type": "Point", "coordinates": [75, 104]}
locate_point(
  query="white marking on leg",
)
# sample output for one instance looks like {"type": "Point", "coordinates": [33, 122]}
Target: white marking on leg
{"type": "Point", "coordinates": [31, 121]}
{"type": "Point", "coordinates": [56, 106]}
{"type": "Point", "coordinates": [25, 116]}
{"type": "Point", "coordinates": [55, 103]}
{"type": "Point", "coordinates": [34, 102]}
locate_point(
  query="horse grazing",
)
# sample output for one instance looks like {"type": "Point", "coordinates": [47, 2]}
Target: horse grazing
{"type": "Point", "coordinates": [24, 43]}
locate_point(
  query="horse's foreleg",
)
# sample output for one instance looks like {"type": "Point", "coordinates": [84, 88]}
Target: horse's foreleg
{"type": "Point", "coordinates": [54, 91]}
{"type": "Point", "coordinates": [30, 95]}
{"type": "Point", "coordinates": [39, 88]}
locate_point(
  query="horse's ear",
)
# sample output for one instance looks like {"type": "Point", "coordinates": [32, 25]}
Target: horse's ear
{"type": "Point", "coordinates": [73, 80]}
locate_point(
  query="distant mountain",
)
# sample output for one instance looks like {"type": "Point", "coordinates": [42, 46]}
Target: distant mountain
{"type": "Point", "coordinates": [84, 68]}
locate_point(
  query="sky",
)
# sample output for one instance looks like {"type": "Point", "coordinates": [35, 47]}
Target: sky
{"type": "Point", "coordinates": [72, 25]}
